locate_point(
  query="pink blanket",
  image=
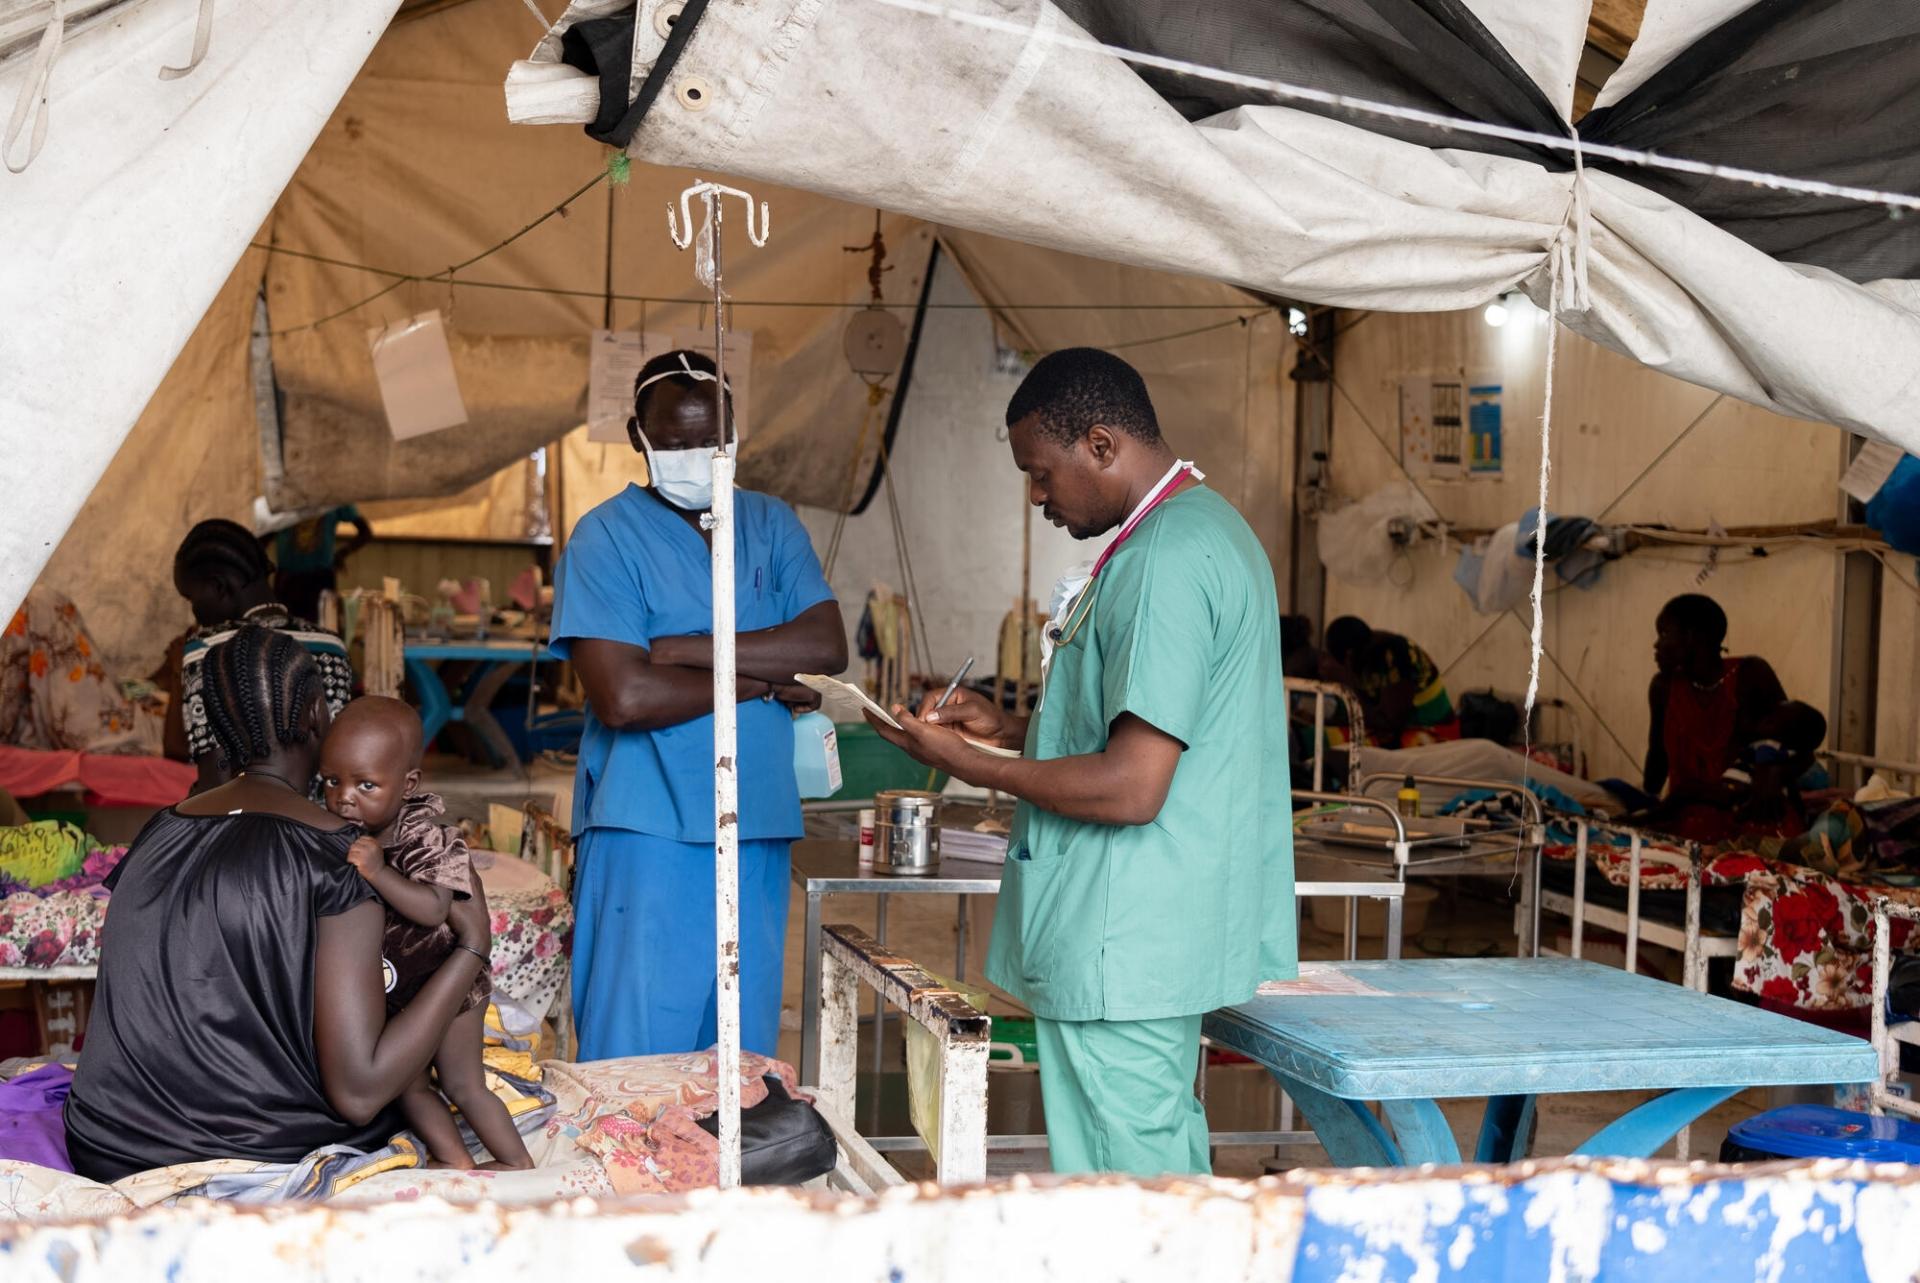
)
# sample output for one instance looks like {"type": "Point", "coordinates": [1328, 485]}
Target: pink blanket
{"type": "Point", "coordinates": [110, 780]}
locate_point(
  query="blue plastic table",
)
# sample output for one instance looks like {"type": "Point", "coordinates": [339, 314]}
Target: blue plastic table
{"type": "Point", "coordinates": [1512, 1029]}
{"type": "Point", "coordinates": [497, 659]}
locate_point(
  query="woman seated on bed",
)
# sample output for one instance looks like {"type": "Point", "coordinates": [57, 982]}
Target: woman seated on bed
{"type": "Point", "coordinates": [1400, 688]}
{"type": "Point", "coordinates": [1726, 744]}
{"type": "Point", "coordinates": [241, 1008]}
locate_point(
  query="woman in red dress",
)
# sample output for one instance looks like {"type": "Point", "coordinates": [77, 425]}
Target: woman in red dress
{"type": "Point", "coordinates": [1726, 744]}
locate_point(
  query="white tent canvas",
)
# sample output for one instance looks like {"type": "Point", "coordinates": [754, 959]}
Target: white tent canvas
{"type": "Point", "coordinates": [1002, 117]}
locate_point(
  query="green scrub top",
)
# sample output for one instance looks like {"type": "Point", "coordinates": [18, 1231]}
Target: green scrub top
{"type": "Point", "coordinates": [1192, 911]}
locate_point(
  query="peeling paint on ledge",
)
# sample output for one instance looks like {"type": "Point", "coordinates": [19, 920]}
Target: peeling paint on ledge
{"type": "Point", "coordinates": [1572, 1220]}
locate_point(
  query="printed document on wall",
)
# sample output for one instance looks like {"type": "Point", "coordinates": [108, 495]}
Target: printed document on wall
{"type": "Point", "coordinates": [414, 368]}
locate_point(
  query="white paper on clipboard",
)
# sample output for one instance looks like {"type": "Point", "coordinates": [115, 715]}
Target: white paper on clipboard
{"type": "Point", "coordinates": [414, 368]}
{"type": "Point", "coordinates": [615, 360]}
{"type": "Point", "coordinates": [832, 687]}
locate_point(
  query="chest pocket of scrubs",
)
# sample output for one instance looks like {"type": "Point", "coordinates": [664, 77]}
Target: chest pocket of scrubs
{"type": "Point", "coordinates": [1070, 715]}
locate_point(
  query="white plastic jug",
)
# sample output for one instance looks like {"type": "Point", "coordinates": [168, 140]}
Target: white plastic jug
{"type": "Point", "coordinates": [816, 755]}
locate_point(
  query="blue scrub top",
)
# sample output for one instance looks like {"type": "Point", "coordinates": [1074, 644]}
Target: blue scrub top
{"type": "Point", "coordinates": [635, 570]}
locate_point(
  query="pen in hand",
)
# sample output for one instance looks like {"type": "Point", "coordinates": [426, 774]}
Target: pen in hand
{"type": "Point", "coordinates": [954, 685]}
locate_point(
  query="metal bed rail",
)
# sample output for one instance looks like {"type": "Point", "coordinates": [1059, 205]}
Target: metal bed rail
{"type": "Point", "coordinates": [851, 958]}
{"type": "Point", "coordinates": [1322, 692]}
{"type": "Point", "coordinates": [1886, 1038]}
{"type": "Point", "coordinates": [1353, 892]}
{"type": "Point", "coordinates": [547, 844]}
{"type": "Point", "coordinates": [1690, 941]}
{"type": "Point", "coordinates": [1532, 832]}
{"type": "Point", "coordinates": [1863, 765]}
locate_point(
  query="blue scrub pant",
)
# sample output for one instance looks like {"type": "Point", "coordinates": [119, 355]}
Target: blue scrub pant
{"type": "Point", "coordinates": [643, 944]}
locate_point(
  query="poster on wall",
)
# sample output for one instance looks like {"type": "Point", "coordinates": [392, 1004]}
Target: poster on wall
{"type": "Point", "coordinates": [1485, 455]}
{"type": "Point", "coordinates": [617, 357]}
{"type": "Point", "coordinates": [1432, 427]}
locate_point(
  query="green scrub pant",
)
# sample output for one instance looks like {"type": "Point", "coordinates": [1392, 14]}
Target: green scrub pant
{"type": "Point", "coordinates": [1118, 1096]}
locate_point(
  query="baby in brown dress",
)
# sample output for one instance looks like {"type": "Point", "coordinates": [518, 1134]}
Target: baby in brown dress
{"type": "Point", "coordinates": [370, 768]}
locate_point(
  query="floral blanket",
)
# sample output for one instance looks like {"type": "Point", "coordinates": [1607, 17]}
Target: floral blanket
{"type": "Point", "coordinates": [1806, 936]}
{"type": "Point", "coordinates": [1662, 867]}
{"type": "Point", "coordinates": [641, 1117]}
{"type": "Point", "coordinates": [532, 941]}
{"type": "Point", "coordinates": [592, 1144]}
{"type": "Point", "coordinates": [59, 926]}
{"type": "Point", "coordinates": [1806, 939]}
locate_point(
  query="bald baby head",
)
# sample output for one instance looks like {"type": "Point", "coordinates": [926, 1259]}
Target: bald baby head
{"type": "Point", "coordinates": [370, 763]}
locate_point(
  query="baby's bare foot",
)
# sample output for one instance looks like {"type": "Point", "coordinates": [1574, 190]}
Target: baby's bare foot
{"type": "Point", "coordinates": [503, 1165]}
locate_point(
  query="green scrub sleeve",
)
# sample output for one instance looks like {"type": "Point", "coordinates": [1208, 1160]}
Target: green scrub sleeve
{"type": "Point", "coordinates": [1156, 639]}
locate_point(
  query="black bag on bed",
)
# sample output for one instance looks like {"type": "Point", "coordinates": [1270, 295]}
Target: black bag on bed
{"type": "Point", "coordinates": [1486, 716]}
{"type": "Point", "coordinates": [783, 1141]}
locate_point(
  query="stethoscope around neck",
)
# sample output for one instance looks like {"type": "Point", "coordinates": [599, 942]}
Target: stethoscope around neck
{"type": "Point", "coordinates": [1063, 633]}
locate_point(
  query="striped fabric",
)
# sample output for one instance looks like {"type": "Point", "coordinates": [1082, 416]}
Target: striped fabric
{"type": "Point", "coordinates": [327, 649]}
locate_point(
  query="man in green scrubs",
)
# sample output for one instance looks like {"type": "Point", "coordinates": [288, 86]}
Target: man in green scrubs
{"type": "Point", "coordinates": [1149, 876]}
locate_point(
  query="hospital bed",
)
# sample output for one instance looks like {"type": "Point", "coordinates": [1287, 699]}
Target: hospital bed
{"type": "Point", "coordinates": [1698, 923]}
{"type": "Point", "coordinates": [52, 940]}
{"type": "Point", "coordinates": [1325, 695]}
{"type": "Point", "coordinates": [1701, 921]}
{"type": "Point", "coordinates": [1396, 855]}
{"type": "Point", "coordinates": [851, 959]}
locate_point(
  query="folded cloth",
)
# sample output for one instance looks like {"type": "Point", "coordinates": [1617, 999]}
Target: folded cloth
{"type": "Point", "coordinates": [111, 780]}
{"type": "Point", "coordinates": [33, 1127]}
{"type": "Point", "coordinates": [43, 851]}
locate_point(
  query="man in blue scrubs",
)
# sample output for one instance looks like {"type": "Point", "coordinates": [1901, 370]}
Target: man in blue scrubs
{"type": "Point", "coordinates": [633, 611]}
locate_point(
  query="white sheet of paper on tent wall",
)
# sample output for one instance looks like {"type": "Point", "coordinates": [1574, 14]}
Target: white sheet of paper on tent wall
{"type": "Point", "coordinates": [617, 358]}
{"type": "Point", "coordinates": [414, 368]}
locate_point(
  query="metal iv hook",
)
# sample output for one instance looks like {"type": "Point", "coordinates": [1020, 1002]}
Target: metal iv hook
{"type": "Point", "coordinates": [681, 227]}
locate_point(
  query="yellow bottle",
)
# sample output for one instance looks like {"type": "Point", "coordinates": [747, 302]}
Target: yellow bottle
{"type": "Point", "coordinates": [1407, 800]}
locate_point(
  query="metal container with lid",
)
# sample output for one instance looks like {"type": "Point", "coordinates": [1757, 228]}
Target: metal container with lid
{"type": "Point", "coordinates": [906, 832]}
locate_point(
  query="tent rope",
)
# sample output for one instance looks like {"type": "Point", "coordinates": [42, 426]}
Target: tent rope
{"type": "Point", "coordinates": [33, 92]}
{"type": "Point", "coordinates": [534, 9]}
{"type": "Point", "coordinates": [876, 394]}
{"type": "Point", "coordinates": [1566, 267]}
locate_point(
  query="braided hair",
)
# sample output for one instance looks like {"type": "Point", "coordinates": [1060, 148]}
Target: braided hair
{"type": "Point", "coordinates": [258, 684]}
{"type": "Point", "coordinates": [221, 551]}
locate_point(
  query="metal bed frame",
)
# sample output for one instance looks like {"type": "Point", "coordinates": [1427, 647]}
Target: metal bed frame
{"type": "Point", "coordinates": [1689, 940]}
{"type": "Point", "coordinates": [1322, 693]}
{"type": "Point", "coordinates": [1888, 1037]}
{"type": "Point", "coordinates": [1404, 857]}
{"type": "Point", "coordinates": [1695, 946]}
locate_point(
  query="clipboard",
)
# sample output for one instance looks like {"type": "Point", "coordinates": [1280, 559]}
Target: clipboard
{"type": "Point", "coordinates": [834, 686]}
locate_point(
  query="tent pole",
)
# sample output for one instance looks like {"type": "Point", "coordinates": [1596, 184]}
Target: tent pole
{"type": "Point", "coordinates": [726, 790]}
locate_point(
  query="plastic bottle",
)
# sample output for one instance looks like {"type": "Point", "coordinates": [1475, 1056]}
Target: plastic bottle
{"type": "Point", "coordinates": [1407, 800]}
{"type": "Point", "coordinates": [816, 755]}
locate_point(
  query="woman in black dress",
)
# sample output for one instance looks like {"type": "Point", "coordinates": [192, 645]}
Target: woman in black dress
{"type": "Point", "coordinates": [241, 1007]}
